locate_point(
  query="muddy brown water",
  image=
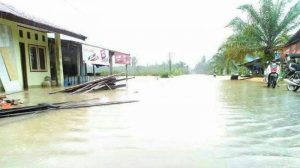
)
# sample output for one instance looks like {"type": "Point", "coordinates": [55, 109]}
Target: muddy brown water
{"type": "Point", "coordinates": [187, 121]}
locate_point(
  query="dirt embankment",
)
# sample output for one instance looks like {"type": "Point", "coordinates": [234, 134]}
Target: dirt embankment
{"type": "Point", "coordinates": [256, 79]}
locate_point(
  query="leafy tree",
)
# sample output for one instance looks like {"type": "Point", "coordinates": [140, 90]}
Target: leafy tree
{"type": "Point", "coordinates": [134, 62]}
{"type": "Point", "coordinates": [221, 64]}
{"type": "Point", "coordinates": [202, 67]}
{"type": "Point", "coordinates": [264, 32]}
{"type": "Point", "coordinates": [182, 66]}
{"type": "Point", "coordinates": [203, 59]}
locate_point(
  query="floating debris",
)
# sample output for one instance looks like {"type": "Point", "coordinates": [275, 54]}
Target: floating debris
{"type": "Point", "coordinates": [104, 83]}
{"type": "Point", "coordinates": [63, 105]}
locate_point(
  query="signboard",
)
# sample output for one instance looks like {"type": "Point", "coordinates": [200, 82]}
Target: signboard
{"type": "Point", "coordinates": [95, 55]}
{"type": "Point", "coordinates": [121, 58]}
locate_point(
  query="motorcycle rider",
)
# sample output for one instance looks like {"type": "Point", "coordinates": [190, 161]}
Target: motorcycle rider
{"type": "Point", "coordinates": [273, 68]}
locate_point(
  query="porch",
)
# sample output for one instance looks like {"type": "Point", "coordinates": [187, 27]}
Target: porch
{"type": "Point", "coordinates": [24, 56]}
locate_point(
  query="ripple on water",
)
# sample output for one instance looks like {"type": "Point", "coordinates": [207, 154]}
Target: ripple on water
{"type": "Point", "coordinates": [250, 126]}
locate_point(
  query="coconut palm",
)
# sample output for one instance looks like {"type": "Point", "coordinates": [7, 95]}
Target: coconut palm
{"type": "Point", "coordinates": [221, 64]}
{"type": "Point", "coordinates": [265, 31]}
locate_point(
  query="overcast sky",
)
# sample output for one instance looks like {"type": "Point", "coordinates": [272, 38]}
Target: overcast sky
{"type": "Point", "coordinates": [148, 29]}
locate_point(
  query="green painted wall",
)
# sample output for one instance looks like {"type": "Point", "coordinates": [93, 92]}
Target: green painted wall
{"type": "Point", "coordinates": [34, 78]}
{"type": "Point", "coordinates": [15, 54]}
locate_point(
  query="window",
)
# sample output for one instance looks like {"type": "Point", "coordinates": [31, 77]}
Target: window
{"type": "Point", "coordinates": [43, 38]}
{"type": "Point", "coordinates": [36, 36]}
{"type": "Point", "coordinates": [42, 58]}
{"type": "Point", "coordinates": [28, 35]}
{"type": "Point", "coordinates": [38, 62]}
{"type": "Point", "coordinates": [21, 33]}
{"type": "Point", "coordinates": [33, 58]}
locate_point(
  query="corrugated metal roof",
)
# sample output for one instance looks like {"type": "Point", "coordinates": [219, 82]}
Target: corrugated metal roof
{"type": "Point", "coordinates": [10, 13]}
{"type": "Point", "coordinates": [250, 58]}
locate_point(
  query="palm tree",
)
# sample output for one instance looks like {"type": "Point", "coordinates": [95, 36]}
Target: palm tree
{"type": "Point", "coordinates": [265, 31]}
{"type": "Point", "coordinates": [221, 64]}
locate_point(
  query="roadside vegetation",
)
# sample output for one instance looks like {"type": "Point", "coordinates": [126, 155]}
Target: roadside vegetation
{"type": "Point", "coordinates": [263, 33]}
{"type": "Point", "coordinates": [163, 70]}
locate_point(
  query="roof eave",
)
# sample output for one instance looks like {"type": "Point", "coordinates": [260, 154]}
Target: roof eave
{"type": "Point", "coordinates": [12, 17]}
{"type": "Point", "coordinates": [291, 43]}
{"type": "Point", "coordinates": [294, 39]}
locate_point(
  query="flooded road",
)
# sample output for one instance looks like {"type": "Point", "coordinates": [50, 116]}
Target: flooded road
{"type": "Point", "coordinates": [182, 122]}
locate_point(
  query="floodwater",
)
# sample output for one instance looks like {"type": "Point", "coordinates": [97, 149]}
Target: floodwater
{"type": "Point", "coordinates": [183, 122]}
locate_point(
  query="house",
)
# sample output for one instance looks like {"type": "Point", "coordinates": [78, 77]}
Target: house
{"type": "Point", "coordinates": [71, 57]}
{"type": "Point", "coordinates": [254, 64]}
{"type": "Point", "coordinates": [293, 45]}
{"type": "Point", "coordinates": [25, 51]}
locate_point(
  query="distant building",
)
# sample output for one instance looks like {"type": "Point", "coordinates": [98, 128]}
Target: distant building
{"type": "Point", "coordinates": [254, 64]}
{"type": "Point", "coordinates": [25, 51]}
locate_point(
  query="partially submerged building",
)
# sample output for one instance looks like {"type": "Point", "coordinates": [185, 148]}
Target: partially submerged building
{"type": "Point", "coordinates": [71, 57]}
{"type": "Point", "coordinates": [25, 51]}
{"type": "Point", "coordinates": [254, 64]}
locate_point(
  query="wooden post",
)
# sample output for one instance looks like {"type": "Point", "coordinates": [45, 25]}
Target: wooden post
{"type": "Point", "coordinates": [126, 71]}
{"type": "Point", "coordinates": [111, 53]}
{"type": "Point", "coordinates": [58, 60]}
{"type": "Point", "coordinates": [170, 63]}
{"type": "Point", "coordinates": [78, 60]}
{"type": "Point", "coordinates": [94, 70]}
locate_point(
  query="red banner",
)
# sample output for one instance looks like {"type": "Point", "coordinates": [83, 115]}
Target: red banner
{"type": "Point", "coordinates": [121, 58]}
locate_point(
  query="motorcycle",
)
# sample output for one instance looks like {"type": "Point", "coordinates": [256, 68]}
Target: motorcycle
{"type": "Point", "coordinates": [272, 75]}
{"type": "Point", "coordinates": [293, 82]}
{"type": "Point", "coordinates": [293, 73]}
{"type": "Point", "coordinates": [272, 81]}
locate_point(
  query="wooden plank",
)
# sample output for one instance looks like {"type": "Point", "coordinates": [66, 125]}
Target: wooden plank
{"type": "Point", "coordinates": [84, 84]}
{"type": "Point", "coordinates": [79, 105]}
{"type": "Point", "coordinates": [81, 89]}
{"type": "Point", "coordinates": [118, 86]}
{"type": "Point", "coordinates": [95, 88]}
{"type": "Point", "coordinates": [64, 105]}
{"type": "Point", "coordinates": [98, 85]}
{"type": "Point", "coordinates": [108, 87]}
{"type": "Point", "coordinates": [8, 64]}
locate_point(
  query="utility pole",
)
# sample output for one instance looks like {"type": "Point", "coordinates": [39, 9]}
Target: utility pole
{"type": "Point", "coordinates": [126, 71]}
{"type": "Point", "coordinates": [170, 62]}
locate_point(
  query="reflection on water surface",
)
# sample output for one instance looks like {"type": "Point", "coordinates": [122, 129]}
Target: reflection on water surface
{"type": "Point", "coordinates": [187, 121]}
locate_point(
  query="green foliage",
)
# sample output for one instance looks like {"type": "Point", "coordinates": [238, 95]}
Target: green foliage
{"type": "Point", "coordinates": [165, 75]}
{"type": "Point", "coordinates": [264, 32]}
{"type": "Point", "coordinates": [134, 62]}
{"type": "Point", "coordinates": [162, 70]}
{"type": "Point", "coordinates": [244, 71]}
{"type": "Point", "coordinates": [202, 67]}
{"type": "Point", "coordinates": [222, 65]}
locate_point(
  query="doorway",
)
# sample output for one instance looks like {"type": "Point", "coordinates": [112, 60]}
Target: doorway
{"type": "Point", "coordinates": [23, 63]}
